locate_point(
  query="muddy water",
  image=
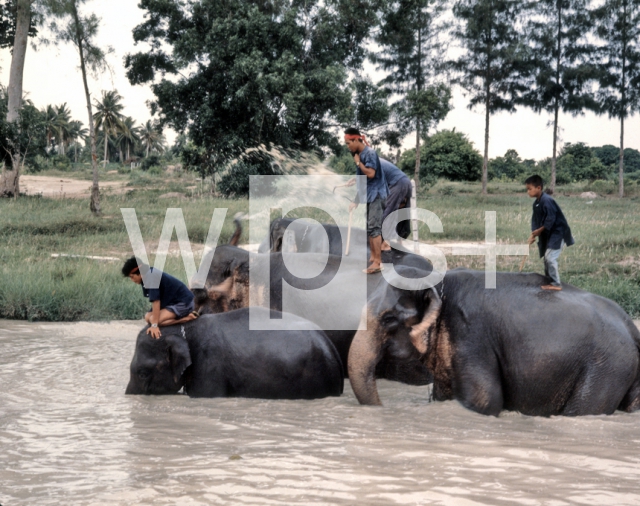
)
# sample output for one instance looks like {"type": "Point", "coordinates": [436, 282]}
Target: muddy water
{"type": "Point", "coordinates": [69, 435]}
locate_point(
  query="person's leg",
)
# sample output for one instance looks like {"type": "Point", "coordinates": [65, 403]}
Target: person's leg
{"type": "Point", "coordinates": [551, 268]}
{"type": "Point", "coordinates": [374, 231]}
{"type": "Point", "coordinates": [394, 200]}
{"type": "Point", "coordinates": [179, 313]}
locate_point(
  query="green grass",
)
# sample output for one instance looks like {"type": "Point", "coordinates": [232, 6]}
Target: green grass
{"type": "Point", "coordinates": [35, 286]}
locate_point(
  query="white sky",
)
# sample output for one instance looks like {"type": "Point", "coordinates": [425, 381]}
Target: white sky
{"type": "Point", "coordinates": [52, 77]}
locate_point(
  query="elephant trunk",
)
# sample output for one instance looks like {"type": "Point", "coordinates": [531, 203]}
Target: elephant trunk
{"type": "Point", "coordinates": [364, 355]}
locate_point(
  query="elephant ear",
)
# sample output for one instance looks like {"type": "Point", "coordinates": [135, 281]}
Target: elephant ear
{"type": "Point", "coordinates": [180, 356]}
{"type": "Point", "coordinates": [421, 332]}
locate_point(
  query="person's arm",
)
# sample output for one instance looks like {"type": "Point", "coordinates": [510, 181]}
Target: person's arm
{"type": "Point", "coordinates": [155, 317]}
{"type": "Point", "coordinates": [367, 171]}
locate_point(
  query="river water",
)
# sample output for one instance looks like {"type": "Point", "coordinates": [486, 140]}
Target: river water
{"type": "Point", "coordinates": [69, 435]}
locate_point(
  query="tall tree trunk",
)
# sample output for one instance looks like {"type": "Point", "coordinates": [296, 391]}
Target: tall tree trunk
{"type": "Point", "coordinates": [75, 152]}
{"type": "Point", "coordinates": [556, 107]}
{"type": "Point", "coordinates": [417, 176]}
{"type": "Point", "coordinates": [106, 148]}
{"type": "Point", "coordinates": [621, 168]}
{"type": "Point", "coordinates": [623, 97]}
{"type": "Point", "coordinates": [552, 183]}
{"type": "Point", "coordinates": [485, 162]}
{"type": "Point", "coordinates": [10, 179]}
{"type": "Point", "coordinates": [95, 188]}
{"type": "Point", "coordinates": [419, 88]}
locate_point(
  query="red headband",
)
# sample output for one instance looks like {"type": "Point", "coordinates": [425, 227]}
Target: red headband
{"type": "Point", "coordinates": [134, 270]}
{"type": "Point", "coordinates": [354, 137]}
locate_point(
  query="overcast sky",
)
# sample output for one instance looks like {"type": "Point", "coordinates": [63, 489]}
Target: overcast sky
{"type": "Point", "coordinates": [52, 77]}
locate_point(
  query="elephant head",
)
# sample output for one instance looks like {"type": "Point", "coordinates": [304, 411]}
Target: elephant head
{"type": "Point", "coordinates": [158, 365]}
{"type": "Point", "coordinates": [391, 317]}
{"type": "Point", "coordinates": [231, 290]}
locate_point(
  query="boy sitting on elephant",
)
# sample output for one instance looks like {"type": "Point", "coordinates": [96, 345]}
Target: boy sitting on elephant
{"type": "Point", "coordinates": [171, 302]}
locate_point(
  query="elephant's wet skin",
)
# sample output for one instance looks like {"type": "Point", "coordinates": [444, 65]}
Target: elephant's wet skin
{"type": "Point", "coordinates": [218, 356]}
{"type": "Point", "coordinates": [563, 353]}
{"type": "Point", "coordinates": [400, 361]}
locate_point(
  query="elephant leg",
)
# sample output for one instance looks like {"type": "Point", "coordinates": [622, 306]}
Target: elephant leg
{"type": "Point", "coordinates": [593, 395]}
{"type": "Point", "coordinates": [480, 389]}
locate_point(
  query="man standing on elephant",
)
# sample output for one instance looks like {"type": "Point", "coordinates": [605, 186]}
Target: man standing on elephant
{"type": "Point", "coordinates": [550, 226]}
{"type": "Point", "coordinates": [375, 193]}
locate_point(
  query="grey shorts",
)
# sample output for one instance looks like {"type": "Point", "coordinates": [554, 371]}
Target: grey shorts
{"type": "Point", "coordinates": [180, 309]}
{"type": "Point", "coordinates": [375, 210]}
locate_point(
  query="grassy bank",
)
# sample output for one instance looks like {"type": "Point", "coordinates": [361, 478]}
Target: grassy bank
{"type": "Point", "coordinates": [35, 286]}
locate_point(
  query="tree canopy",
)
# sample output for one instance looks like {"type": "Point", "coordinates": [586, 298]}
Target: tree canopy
{"type": "Point", "coordinates": [248, 73]}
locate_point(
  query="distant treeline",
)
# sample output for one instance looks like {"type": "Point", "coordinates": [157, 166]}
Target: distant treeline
{"type": "Point", "coordinates": [235, 75]}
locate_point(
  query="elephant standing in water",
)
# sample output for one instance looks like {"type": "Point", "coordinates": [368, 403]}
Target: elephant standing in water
{"type": "Point", "coordinates": [400, 361]}
{"type": "Point", "coordinates": [218, 356]}
{"type": "Point", "coordinates": [512, 348]}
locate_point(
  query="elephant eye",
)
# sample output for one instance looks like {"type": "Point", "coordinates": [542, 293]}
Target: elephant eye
{"type": "Point", "coordinates": [389, 319]}
{"type": "Point", "coordinates": [143, 374]}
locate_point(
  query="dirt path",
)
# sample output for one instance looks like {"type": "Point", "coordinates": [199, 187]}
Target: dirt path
{"type": "Point", "coordinates": [56, 187]}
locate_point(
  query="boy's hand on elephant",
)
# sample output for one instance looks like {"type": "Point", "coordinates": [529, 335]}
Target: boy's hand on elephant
{"type": "Point", "coordinates": [155, 332]}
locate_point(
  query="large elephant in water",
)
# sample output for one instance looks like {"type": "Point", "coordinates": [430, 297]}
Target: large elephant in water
{"type": "Point", "coordinates": [512, 348]}
{"type": "Point", "coordinates": [399, 361]}
{"type": "Point", "coordinates": [218, 356]}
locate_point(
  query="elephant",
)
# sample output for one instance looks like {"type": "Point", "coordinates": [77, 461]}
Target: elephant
{"type": "Point", "coordinates": [515, 348]}
{"type": "Point", "coordinates": [400, 360]}
{"type": "Point", "coordinates": [310, 237]}
{"type": "Point", "coordinates": [218, 356]}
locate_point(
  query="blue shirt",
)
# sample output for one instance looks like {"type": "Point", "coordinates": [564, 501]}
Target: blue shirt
{"type": "Point", "coordinates": [547, 214]}
{"type": "Point", "coordinates": [171, 291]}
{"type": "Point", "coordinates": [377, 185]}
{"type": "Point", "coordinates": [391, 173]}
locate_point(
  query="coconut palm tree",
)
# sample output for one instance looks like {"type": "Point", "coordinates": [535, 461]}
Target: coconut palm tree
{"type": "Point", "coordinates": [76, 132]}
{"type": "Point", "coordinates": [108, 116]}
{"type": "Point", "coordinates": [151, 138]}
{"type": "Point", "coordinates": [50, 116]}
{"type": "Point", "coordinates": [62, 123]}
{"type": "Point", "coordinates": [129, 136]}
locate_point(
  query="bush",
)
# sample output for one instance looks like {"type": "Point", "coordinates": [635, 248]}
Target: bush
{"type": "Point", "coordinates": [447, 191]}
{"type": "Point", "coordinates": [150, 161]}
{"type": "Point", "coordinates": [603, 187]}
{"type": "Point", "coordinates": [235, 181]}
{"type": "Point", "coordinates": [155, 170]}
{"type": "Point", "coordinates": [447, 154]}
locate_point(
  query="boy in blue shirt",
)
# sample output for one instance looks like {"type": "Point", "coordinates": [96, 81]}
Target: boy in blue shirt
{"type": "Point", "coordinates": [550, 226]}
{"type": "Point", "coordinates": [375, 193]}
{"type": "Point", "coordinates": [171, 303]}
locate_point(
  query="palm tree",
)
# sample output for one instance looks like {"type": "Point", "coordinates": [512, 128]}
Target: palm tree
{"type": "Point", "coordinates": [50, 116]}
{"type": "Point", "coordinates": [76, 132]}
{"type": "Point", "coordinates": [108, 116]}
{"type": "Point", "coordinates": [62, 122]}
{"type": "Point", "coordinates": [152, 138]}
{"type": "Point", "coordinates": [129, 136]}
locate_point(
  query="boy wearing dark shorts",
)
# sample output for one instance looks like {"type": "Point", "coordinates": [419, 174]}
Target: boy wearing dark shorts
{"type": "Point", "coordinates": [375, 193]}
{"type": "Point", "coordinates": [550, 226]}
{"type": "Point", "coordinates": [171, 303]}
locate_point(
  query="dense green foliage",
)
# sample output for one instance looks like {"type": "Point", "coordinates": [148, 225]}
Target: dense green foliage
{"type": "Point", "coordinates": [254, 73]}
{"type": "Point", "coordinates": [446, 154]}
